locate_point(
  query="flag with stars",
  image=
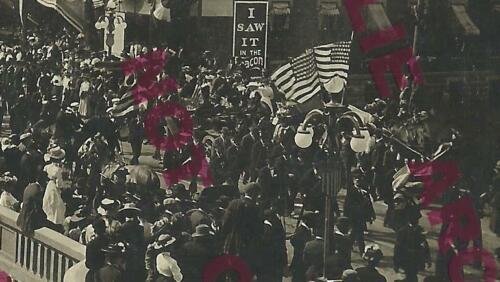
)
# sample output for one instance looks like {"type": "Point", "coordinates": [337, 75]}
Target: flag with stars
{"type": "Point", "coordinates": [299, 78]}
{"type": "Point", "coordinates": [332, 62]}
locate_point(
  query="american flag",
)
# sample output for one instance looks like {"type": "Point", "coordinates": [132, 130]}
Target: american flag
{"type": "Point", "coordinates": [332, 61]}
{"type": "Point", "coordinates": [298, 79]}
{"type": "Point", "coordinates": [326, 65]}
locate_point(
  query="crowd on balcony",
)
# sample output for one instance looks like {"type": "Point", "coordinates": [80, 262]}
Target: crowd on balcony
{"type": "Point", "coordinates": [63, 168]}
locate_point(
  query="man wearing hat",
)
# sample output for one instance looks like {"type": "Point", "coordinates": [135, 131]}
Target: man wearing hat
{"type": "Point", "coordinates": [342, 242]}
{"type": "Point", "coordinates": [246, 144]}
{"type": "Point", "coordinates": [75, 224]}
{"type": "Point", "coordinates": [132, 232]}
{"type": "Point", "coordinates": [114, 269]}
{"type": "Point", "coordinates": [162, 244]}
{"type": "Point", "coordinates": [359, 209]}
{"type": "Point", "coordinates": [411, 250]}
{"type": "Point", "coordinates": [31, 163]}
{"type": "Point", "coordinates": [303, 234]}
{"type": "Point", "coordinates": [108, 210]}
{"type": "Point", "coordinates": [195, 254]}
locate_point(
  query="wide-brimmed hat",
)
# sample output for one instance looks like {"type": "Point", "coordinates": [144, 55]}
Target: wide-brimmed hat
{"type": "Point", "coordinates": [164, 240]}
{"type": "Point", "coordinates": [129, 210]}
{"type": "Point", "coordinates": [203, 230]}
{"type": "Point", "coordinates": [56, 153]}
{"type": "Point", "coordinates": [115, 248]}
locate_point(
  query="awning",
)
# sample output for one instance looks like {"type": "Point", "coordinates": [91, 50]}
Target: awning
{"type": "Point", "coordinates": [329, 9]}
{"type": "Point", "coordinates": [280, 8]}
{"type": "Point", "coordinates": [465, 21]}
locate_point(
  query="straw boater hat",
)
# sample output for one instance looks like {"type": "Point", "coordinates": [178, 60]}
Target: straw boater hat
{"type": "Point", "coordinates": [129, 210]}
{"type": "Point", "coordinates": [107, 205]}
{"type": "Point", "coordinates": [56, 153]}
{"type": "Point", "coordinates": [115, 248]}
{"type": "Point", "coordinates": [163, 241]}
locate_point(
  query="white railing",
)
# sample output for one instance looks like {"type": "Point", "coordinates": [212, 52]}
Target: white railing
{"type": "Point", "coordinates": [44, 257]}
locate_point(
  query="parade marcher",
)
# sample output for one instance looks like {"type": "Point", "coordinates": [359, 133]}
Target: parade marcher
{"type": "Point", "coordinates": [274, 248]}
{"type": "Point", "coordinates": [342, 242]}
{"type": "Point", "coordinates": [411, 251]}
{"type": "Point", "coordinates": [233, 161]}
{"type": "Point", "coordinates": [359, 209]}
{"type": "Point", "coordinates": [136, 137]}
{"type": "Point", "coordinates": [302, 235]}
{"type": "Point", "coordinates": [313, 256]}
{"type": "Point", "coordinates": [247, 143]}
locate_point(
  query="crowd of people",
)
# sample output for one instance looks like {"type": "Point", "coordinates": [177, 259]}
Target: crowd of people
{"type": "Point", "coordinates": [63, 168]}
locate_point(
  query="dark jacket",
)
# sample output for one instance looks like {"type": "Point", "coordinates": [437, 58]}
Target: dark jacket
{"type": "Point", "coordinates": [194, 256]}
{"type": "Point", "coordinates": [109, 273]}
{"type": "Point", "coordinates": [94, 256]}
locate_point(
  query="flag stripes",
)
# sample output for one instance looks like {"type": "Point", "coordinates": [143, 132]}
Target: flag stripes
{"type": "Point", "coordinates": [333, 60]}
{"type": "Point", "coordinates": [124, 106]}
{"type": "Point", "coordinates": [298, 79]}
{"type": "Point", "coordinates": [302, 78]}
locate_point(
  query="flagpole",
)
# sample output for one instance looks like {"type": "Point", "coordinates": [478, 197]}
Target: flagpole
{"type": "Point", "coordinates": [344, 90]}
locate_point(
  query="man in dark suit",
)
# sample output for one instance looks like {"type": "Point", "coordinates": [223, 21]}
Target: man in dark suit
{"type": "Point", "coordinates": [222, 142]}
{"type": "Point", "coordinates": [245, 154]}
{"type": "Point", "coordinates": [377, 162]}
{"type": "Point", "coordinates": [267, 180]}
{"type": "Point", "coordinates": [310, 187]}
{"type": "Point", "coordinates": [233, 162]}
{"type": "Point", "coordinates": [274, 248]}
{"type": "Point", "coordinates": [132, 233]}
{"type": "Point", "coordinates": [115, 266]}
{"type": "Point", "coordinates": [302, 235]}
{"type": "Point", "coordinates": [258, 157]}
{"type": "Point", "coordinates": [195, 254]}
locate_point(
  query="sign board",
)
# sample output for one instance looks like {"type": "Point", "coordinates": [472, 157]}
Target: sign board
{"type": "Point", "coordinates": [250, 34]}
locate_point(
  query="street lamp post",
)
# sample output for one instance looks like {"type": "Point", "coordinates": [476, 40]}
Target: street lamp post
{"type": "Point", "coordinates": [334, 114]}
